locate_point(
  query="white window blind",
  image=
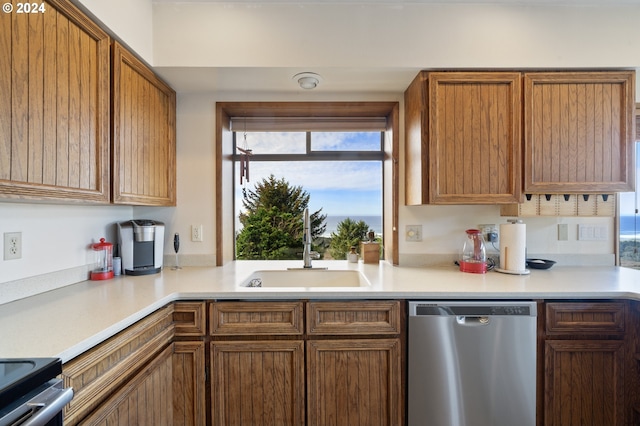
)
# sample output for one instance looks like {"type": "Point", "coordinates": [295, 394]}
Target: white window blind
{"type": "Point", "coordinates": [308, 124]}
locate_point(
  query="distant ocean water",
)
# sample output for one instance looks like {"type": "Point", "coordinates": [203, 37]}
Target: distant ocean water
{"type": "Point", "coordinates": [374, 222]}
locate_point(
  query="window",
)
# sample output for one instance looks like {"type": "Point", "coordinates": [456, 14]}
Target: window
{"type": "Point", "coordinates": [629, 225]}
{"type": "Point", "coordinates": [305, 112]}
{"type": "Point", "coordinates": [336, 171]}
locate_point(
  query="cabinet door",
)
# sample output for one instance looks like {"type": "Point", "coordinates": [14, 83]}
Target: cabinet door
{"type": "Point", "coordinates": [144, 134]}
{"type": "Point", "coordinates": [464, 140]}
{"type": "Point", "coordinates": [257, 383]}
{"type": "Point", "coordinates": [584, 383]}
{"type": "Point", "coordinates": [579, 131]}
{"type": "Point", "coordinates": [354, 382]}
{"type": "Point", "coordinates": [54, 105]}
{"type": "Point", "coordinates": [168, 391]}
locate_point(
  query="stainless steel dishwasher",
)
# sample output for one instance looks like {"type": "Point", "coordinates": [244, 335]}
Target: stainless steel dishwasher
{"type": "Point", "coordinates": [472, 363]}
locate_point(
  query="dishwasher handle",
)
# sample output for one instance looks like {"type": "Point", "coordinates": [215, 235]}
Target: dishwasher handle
{"type": "Point", "coordinates": [473, 321]}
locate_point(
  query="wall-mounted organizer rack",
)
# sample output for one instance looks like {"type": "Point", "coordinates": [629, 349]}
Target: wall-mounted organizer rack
{"type": "Point", "coordinates": [587, 205]}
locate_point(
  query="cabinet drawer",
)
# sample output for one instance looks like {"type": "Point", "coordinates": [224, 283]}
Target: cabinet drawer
{"type": "Point", "coordinates": [256, 318]}
{"type": "Point", "coordinates": [189, 318]}
{"type": "Point", "coordinates": [354, 317]}
{"type": "Point", "coordinates": [585, 318]}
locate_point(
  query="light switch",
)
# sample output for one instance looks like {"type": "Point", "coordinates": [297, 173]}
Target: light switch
{"type": "Point", "coordinates": [563, 232]}
{"type": "Point", "coordinates": [592, 233]}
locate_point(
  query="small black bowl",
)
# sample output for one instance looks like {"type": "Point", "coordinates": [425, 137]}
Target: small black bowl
{"type": "Point", "coordinates": [540, 263]}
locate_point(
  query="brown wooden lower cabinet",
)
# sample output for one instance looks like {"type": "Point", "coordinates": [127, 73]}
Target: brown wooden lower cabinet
{"type": "Point", "coordinates": [144, 375]}
{"type": "Point", "coordinates": [584, 382]}
{"type": "Point", "coordinates": [354, 382]}
{"type": "Point", "coordinates": [590, 363]}
{"type": "Point", "coordinates": [169, 390]}
{"type": "Point", "coordinates": [165, 392]}
{"type": "Point", "coordinates": [332, 363]}
{"type": "Point", "coordinates": [351, 374]}
{"type": "Point", "coordinates": [257, 382]}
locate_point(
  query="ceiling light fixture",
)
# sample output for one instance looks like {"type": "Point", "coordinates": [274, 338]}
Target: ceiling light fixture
{"type": "Point", "coordinates": [307, 80]}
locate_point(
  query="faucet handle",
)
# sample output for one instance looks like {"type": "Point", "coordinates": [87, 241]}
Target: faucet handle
{"type": "Point", "coordinates": [314, 255]}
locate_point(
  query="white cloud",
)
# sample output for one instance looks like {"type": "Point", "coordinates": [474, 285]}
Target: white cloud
{"type": "Point", "coordinates": [354, 175]}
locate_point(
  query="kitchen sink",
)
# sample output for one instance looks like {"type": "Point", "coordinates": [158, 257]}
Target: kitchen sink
{"type": "Point", "coordinates": [305, 278]}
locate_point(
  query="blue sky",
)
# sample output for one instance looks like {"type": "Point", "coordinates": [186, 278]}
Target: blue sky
{"type": "Point", "coordinates": [338, 187]}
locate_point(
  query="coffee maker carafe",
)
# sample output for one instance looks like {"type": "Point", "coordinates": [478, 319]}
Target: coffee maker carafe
{"type": "Point", "coordinates": [141, 246]}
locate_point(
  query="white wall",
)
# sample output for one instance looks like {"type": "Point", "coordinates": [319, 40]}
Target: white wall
{"type": "Point", "coordinates": [55, 237]}
{"type": "Point", "coordinates": [130, 20]}
{"type": "Point", "coordinates": [390, 35]}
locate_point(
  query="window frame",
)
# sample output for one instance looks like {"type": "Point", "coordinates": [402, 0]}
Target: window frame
{"type": "Point", "coordinates": [386, 110]}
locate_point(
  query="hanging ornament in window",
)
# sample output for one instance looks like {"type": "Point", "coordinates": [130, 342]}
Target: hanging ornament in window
{"type": "Point", "coordinates": [245, 153]}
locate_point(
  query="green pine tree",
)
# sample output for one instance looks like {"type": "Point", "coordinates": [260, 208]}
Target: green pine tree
{"type": "Point", "coordinates": [272, 221]}
{"type": "Point", "coordinates": [349, 234]}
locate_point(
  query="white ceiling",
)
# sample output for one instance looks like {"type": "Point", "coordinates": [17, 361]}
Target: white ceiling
{"type": "Point", "coordinates": [279, 80]}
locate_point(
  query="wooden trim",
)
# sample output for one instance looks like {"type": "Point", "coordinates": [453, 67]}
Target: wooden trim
{"type": "Point", "coordinates": [391, 188]}
{"type": "Point", "coordinates": [225, 245]}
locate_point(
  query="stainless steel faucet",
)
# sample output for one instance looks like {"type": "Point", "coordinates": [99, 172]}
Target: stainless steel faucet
{"type": "Point", "coordinates": [307, 254]}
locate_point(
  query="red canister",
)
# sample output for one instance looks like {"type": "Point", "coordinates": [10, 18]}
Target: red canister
{"type": "Point", "coordinates": [103, 266]}
{"type": "Point", "coordinates": [474, 256]}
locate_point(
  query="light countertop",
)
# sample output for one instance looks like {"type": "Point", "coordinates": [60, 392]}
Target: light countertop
{"type": "Point", "coordinates": [68, 321]}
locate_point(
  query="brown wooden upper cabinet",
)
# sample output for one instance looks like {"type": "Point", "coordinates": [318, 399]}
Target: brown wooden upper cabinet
{"type": "Point", "coordinates": [54, 106]}
{"type": "Point", "coordinates": [144, 134]}
{"type": "Point", "coordinates": [463, 138]}
{"type": "Point", "coordinates": [579, 131]}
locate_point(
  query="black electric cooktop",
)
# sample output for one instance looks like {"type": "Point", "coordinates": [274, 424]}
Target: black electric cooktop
{"type": "Point", "coordinates": [21, 375]}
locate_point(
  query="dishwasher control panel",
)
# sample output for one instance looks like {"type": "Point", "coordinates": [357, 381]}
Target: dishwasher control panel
{"type": "Point", "coordinates": [474, 309]}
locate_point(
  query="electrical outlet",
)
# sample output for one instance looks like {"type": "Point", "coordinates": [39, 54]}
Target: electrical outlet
{"type": "Point", "coordinates": [196, 233]}
{"type": "Point", "coordinates": [12, 245]}
{"type": "Point", "coordinates": [489, 232]}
